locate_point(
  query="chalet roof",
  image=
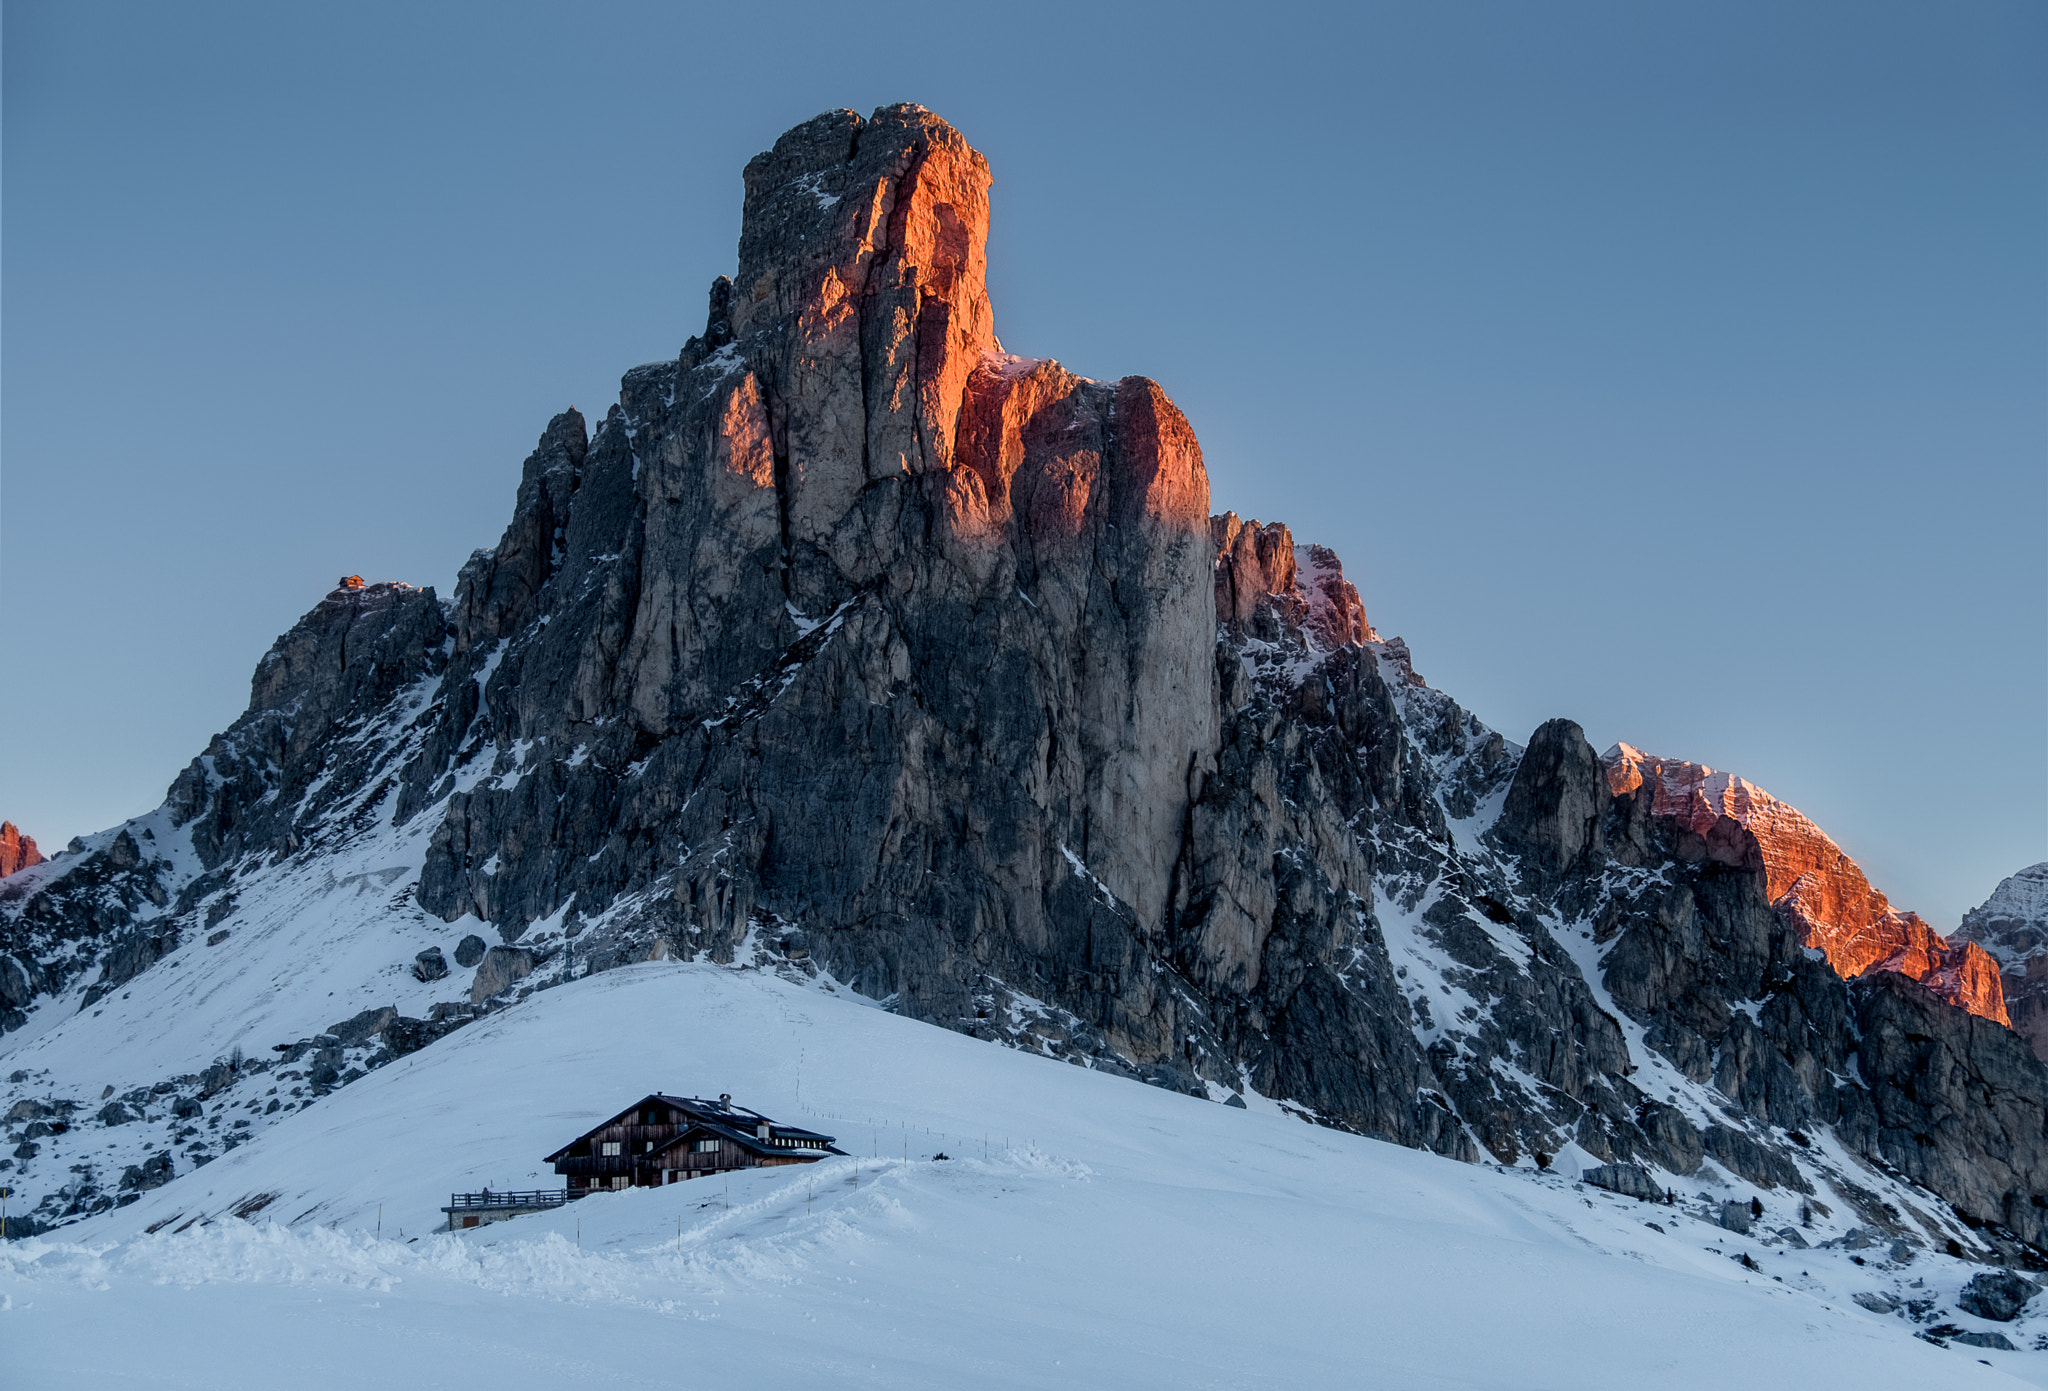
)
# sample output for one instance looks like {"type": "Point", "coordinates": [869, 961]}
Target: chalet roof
{"type": "Point", "coordinates": [748, 1139]}
{"type": "Point", "coordinates": [736, 1121]}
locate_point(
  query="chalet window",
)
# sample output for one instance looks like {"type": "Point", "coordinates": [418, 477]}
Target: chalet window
{"type": "Point", "coordinates": [611, 1147]}
{"type": "Point", "coordinates": [705, 1146]}
{"type": "Point", "coordinates": [653, 1115]}
{"type": "Point", "coordinates": [649, 1149]}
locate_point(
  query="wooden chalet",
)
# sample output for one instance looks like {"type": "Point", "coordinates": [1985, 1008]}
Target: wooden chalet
{"type": "Point", "coordinates": [667, 1139]}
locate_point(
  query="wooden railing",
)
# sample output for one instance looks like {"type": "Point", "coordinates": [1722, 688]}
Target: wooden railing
{"type": "Point", "coordinates": [490, 1201]}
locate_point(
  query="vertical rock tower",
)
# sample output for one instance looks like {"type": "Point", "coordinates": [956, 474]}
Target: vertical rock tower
{"type": "Point", "coordinates": [857, 619]}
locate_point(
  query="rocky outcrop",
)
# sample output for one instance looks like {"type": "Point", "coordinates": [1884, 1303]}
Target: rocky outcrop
{"type": "Point", "coordinates": [1998, 1295]}
{"type": "Point", "coordinates": [2012, 925]}
{"type": "Point", "coordinates": [17, 851]}
{"type": "Point", "coordinates": [1551, 817]}
{"type": "Point", "coordinates": [500, 969]}
{"type": "Point", "coordinates": [1819, 889]}
{"type": "Point", "coordinates": [1629, 1180]}
{"type": "Point", "coordinates": [1262, 574]}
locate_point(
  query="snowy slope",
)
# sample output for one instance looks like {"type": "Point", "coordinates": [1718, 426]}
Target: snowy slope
{"type": "Point", "coordinates": [1086, 1230]}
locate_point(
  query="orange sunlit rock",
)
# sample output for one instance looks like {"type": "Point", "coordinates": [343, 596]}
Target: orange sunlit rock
{"type": "Point", "coordinates": [17, 851]}
{"type": "Point", "coordinates": [1818, 888]}
{"type": "Point", "coordinates": [1262, 564]}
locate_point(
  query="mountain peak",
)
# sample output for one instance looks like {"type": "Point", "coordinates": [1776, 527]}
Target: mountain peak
{"type": "Point", "coordinates": [2012, 925]}
{"type": "Point", "coordinates": [17, 851]}
{"type": "Point", "coordinates": [1809, 879]}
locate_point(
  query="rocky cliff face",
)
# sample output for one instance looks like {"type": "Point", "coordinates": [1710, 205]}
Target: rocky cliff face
{"type": "Point", "coordinates": [17, 851]}
{"type": "Point", "coordinates": [1820, 890]}
{"type": "Point", "coordinates": [852, 646]}
{"type": "Point", "coordinates": [2012, 925]}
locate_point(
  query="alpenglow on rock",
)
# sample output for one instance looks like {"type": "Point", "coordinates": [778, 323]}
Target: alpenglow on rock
{"type": "Point", "coordinates": [853, 646]}
{"type": "Point", "coordinates": [17, 851]}
{"type": "Point", "coordinates": [1819, 889]}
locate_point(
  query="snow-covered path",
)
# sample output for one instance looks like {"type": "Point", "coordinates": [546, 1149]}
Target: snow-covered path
{"type": "Point", "coordinates": [1110, 1235]}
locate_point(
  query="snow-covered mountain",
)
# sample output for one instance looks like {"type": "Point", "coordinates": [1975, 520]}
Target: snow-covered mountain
{"type": "Point", "coordinates": [857, 651]}
{"type": "Point", "coordinates": [2012, 925]}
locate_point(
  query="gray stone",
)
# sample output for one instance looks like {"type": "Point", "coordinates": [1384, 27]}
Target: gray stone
{"type": "Point", "coordinates": [26, 1109]}
{"type": "Point", "coordinates": [469, 951]}
{"type": "Point", "coordinates": [1877, 1301]}
{"type": "Point", "coordinates": [500, 969]}
{"type": "Point", "coordinates": [429, 965]}
{"type": "Point", "coordinates": [354, 1031]}
{"type": "Point", "coordinates": [402, 1036]}
{"type": "Point", "coordinates": [1998, 1295]}
{"type": "Point", "coordinates": [1735, 1217]}
{"type": "Point", "coordinates": [1984, 1340]}
{"type": "Point", "coordinates": [114, 1113]}
{"type": "Point", "coordinates": [152, 1173]}
{"type": "Point", "coordinates": [1629, 1180]}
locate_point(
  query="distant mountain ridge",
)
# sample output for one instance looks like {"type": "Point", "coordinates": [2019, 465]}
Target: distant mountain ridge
{"type": "Point", "coordinates": [852, 646]}
{"type": "Point", "coordinates": [1819, 889]}
{"type": "Point", "coordinates": [2012, 925]}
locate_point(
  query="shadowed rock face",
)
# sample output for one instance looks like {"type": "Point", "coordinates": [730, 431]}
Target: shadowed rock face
{"type": "Point", "coordinates": [849, 642]}
{"type": "Point", "coordinates": [17, 851]}
{"type": "Point", "coordinates": [1817, 887]}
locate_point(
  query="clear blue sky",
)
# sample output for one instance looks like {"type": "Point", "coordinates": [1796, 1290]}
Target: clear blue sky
{"type": "Point", "coordinates": [1679, 368]}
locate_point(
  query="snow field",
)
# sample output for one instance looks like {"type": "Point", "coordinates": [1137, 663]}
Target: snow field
{"type": "Point", "coordinates": [1115, 1235]}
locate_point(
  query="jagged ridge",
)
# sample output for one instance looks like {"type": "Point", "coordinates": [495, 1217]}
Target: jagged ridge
{"type": "Point", "coordinates": [1820, 890]}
